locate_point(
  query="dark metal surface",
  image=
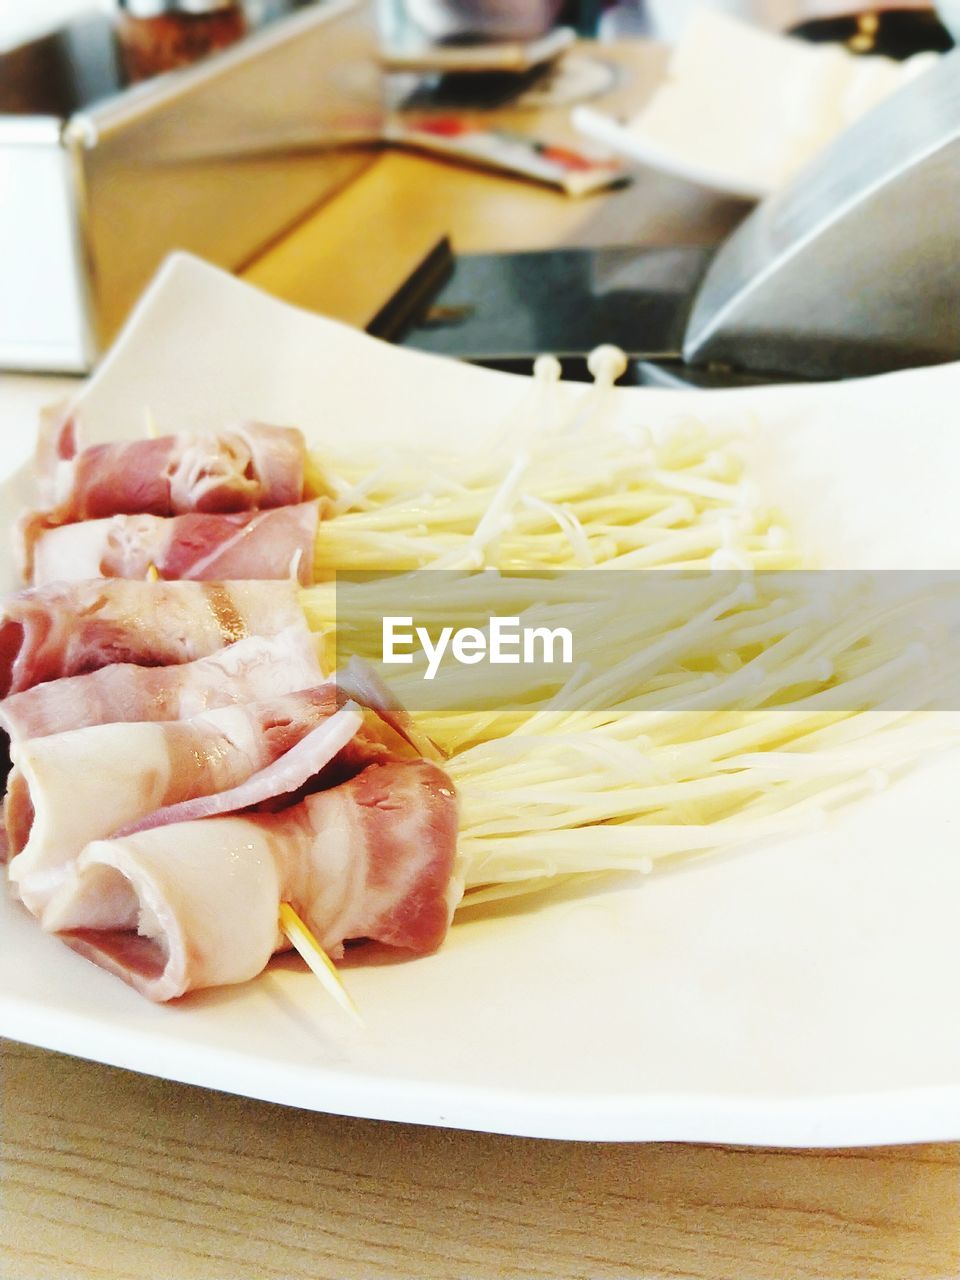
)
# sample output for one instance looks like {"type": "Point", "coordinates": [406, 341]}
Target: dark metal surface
{"type": "Point", "coordinates": [518, 305]}
{"type": "Point", "coordinates": [895, 33]}
{"type": "Point", "coordinates": [416, 295]}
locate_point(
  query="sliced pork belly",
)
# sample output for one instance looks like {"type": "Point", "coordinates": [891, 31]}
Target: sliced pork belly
{"type": "Point", "coordinates": [249, 671]}
{"type": "Point", "coordinates": [57, 443]}
{"type": "Point", "coordinates": [196, 904]}
{"type": "Point", "coordinates": [279, 781]}
{"type": "Point", "coordinates": [67, 629]}
{"type": "Point", "coordinates": [246, 544]}
{"type": "Point", "coordinates": [239, 469]}
{"type": "Point", "coordinates": [376, 858]}
{"type": "Point", "coordinates": [171, 915]}
{"type": "Point", "coordinates": [70, 788]}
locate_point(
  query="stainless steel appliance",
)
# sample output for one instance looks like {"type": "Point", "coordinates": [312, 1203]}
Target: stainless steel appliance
{"type": "Point", "coordinates": [854, 268]}
{"type": "Point", "coordinates": [99, 180]}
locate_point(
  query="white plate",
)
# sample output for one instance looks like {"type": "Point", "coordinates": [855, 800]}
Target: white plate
{"type": "Point", "coordinates": [628, 138]}
{"type": "Point", "coordinates": [799, 994]}
{"type": "Point", "coordinates": [742, 110]}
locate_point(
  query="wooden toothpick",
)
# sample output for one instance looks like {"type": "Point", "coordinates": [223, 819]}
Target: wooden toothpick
{"type": "Point", "coordinates": [317, 960]}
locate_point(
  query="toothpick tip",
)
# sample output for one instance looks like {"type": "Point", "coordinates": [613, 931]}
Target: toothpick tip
{"type": "Point", "coordinates": [301, 938]}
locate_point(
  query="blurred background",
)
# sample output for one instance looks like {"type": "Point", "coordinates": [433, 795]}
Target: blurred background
{"type": "Point", "coordinates": [390, 162]}
{"type": "Point", "coordinates": [659, 19]}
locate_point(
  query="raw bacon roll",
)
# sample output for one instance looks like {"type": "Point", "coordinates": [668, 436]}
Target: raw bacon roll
{"type": "Point", "coordinates": [247, 544]}
{"type": "Point", "coordinates": [372, 858]}
{"type": "Point", "coordinates": [70, 788]}
{"type": "Point", "coordinates": [141, 907]}
{"type": "Point", "coordinates": [337, 749]}
{"type": "Point", "coordinates": [243, 468]}
{"type": "Point", "coordinates": [246, 466]}
{"type": "Point", "coordinates": [249, 671]}
{"type": "Point", "coordinates": [67, 629]}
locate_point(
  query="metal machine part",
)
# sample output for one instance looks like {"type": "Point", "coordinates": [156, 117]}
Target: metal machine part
{"type": "Point", "coordinates": [854, 268]}
{"type": "Point", "coordinates": [503, 310]}
{"type": "Point", "coordinates": [99, 180]}
{"type": "Point", "coordinates": [497, 308]}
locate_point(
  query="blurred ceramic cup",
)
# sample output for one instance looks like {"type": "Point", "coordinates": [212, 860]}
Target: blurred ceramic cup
{"type": "Point", "coordinates": [490, 19]}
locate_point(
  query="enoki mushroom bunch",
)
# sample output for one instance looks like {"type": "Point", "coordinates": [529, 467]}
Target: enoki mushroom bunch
{"type": "Point", "coordinates": [727, 706]}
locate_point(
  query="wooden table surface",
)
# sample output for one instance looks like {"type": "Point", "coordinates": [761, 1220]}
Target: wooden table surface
{"type": "Point", "coordinates": [115, 1176]}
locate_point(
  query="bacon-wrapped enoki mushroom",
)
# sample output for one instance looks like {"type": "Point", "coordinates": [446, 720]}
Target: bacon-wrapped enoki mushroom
{"type": "Point", "coordinates": [251, 670]}
{"type": "Point", "coordinates": [198, 547]}
{"type": "Point", "coordinates": [243, 468]}
{"type": "Point", "coordinates": [70, 788]}
{"type": "Point", "coordinates": [370, 858]}
{"type": "Point", "coordinates": [67, 629]}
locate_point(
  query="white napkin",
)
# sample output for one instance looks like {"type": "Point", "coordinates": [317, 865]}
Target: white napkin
{"type": "Point", "coordinates": [743, 109]}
